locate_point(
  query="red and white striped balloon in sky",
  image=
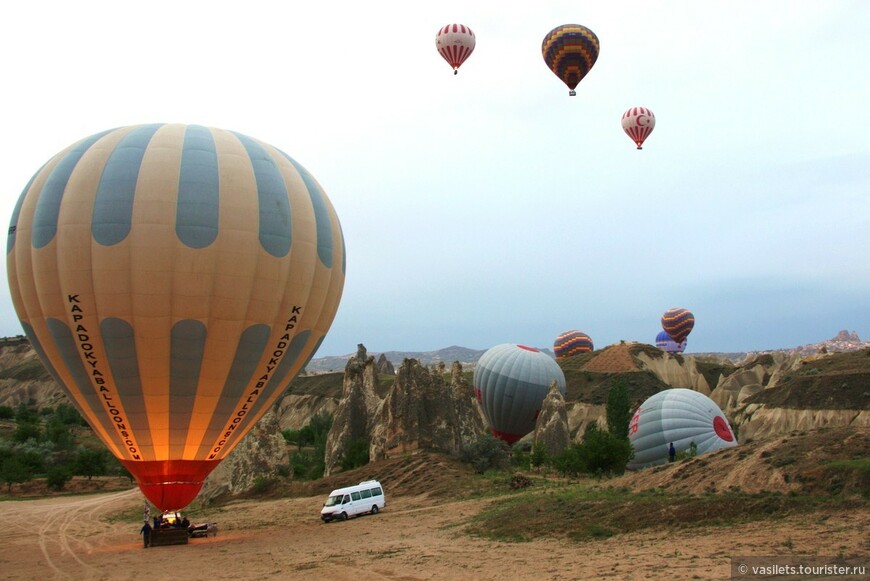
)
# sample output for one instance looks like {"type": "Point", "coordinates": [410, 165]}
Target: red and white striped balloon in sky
{"type": "Point", "coordinates": [455, 42]}
{"type": "Point", "coordinates": [638, 123]}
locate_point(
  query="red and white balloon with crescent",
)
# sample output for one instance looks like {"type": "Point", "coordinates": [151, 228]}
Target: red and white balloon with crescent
{"type": "Point", "coordinates": [638, 123]}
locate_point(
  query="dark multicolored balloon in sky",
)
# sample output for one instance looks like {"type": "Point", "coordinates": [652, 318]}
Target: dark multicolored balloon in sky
{"type": "Point", "coordinates": [510, 383]}
{"type": "Point", "coordinates": [174, 279]}
{"type": "Point", "coordinates": [572, 343]}
{"type": "Point", "coordinates": [678, 323]}
{"type": "Point", "coordinates": [570, 51]}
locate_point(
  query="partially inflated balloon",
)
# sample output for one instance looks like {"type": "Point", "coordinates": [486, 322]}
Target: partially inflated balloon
{"type": "Point", "coordinates": [638, 123]}
{"type": "Point", "coordinates": [572, 343]}
{"type": "Point", "coordinates": [174, 279]}
{"type": "Point", "coordinates": [665, 343]}
{"type": "Point", "coordinates": [570, 51]}
{"type": "Point", "coordinates": [510, 383]}
{"type": "Point", "coordinates": [681, 416]}
{"type": "Point", "coordinates": [678, 323]}
{"type": "Point", "coordinates": [455, 42]}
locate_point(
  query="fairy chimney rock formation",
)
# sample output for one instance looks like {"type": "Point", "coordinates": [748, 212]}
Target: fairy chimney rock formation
{"type": "Point", "coordinates": [384, 366]}
{"type": "Point", "coordinates": [423, 411]}
{"type": "Point", "coordinates": [359, 402]}
{"type": "Point", "coordinates": [551, 428]}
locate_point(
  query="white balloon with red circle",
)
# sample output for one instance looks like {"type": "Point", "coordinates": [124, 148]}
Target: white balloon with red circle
{"type": "Point", "coordinates": [681, 416]}
{"type": "Point", "coordinates": [638, 123]}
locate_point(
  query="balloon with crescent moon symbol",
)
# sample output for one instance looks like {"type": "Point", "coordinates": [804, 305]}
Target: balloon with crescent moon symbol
{"type": "Point", "coordinates": [174, 279]}
{"type": "Point", "coordinates": [455, 42]}
{"type": "Point", "coordinates": [638, 123]}
{"type": "Point", "coordinates": [570, 51]}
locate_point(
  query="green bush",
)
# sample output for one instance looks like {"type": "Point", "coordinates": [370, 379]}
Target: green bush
{"type": "Point", "coordinates": [599, 453]}
{"type": "Point", "coordinates": [486, 453]}
{"type": "Point", "coordinates": [618, 409]}
{"type": "Point", "coordinates": [6, 412]}
{"type": "Point", "coordinates": [58, 476]}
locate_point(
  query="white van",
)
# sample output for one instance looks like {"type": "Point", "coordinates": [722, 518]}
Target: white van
{"type": "Point", "coordinates": [361, 498]}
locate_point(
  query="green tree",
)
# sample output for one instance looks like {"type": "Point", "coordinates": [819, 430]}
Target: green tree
{"type": "Point", "coordinates": [618, 409]}
{"type": "Point", "coordinates": [539, 455]}
{"type": "Point", "coordinates": [357, 454]}
{"type": "Point", "coordinates": [90, 463]}
{"type": "Point", "coordinates": [58, 476]}
{"type": "Point", "coordinates": [58, 433]}
{"type": "Point", "coordinates": [26, 430]}
{"type": "Point", "coordinates": [6, 412]}
{"type": "Point", "coordinates": [14, 471]}
{"type": "Point", "coordinates": [26, 413]}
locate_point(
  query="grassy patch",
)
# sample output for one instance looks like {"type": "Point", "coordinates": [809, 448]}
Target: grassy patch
{"type": "Point", "coordinates": [583, 512]}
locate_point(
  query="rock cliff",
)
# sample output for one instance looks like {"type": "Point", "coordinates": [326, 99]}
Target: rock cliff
{"type": "Point", "coordinates": [422, 410]}
{"type": "Point", "coordinates": [551, 428]}
{"type": "Point", "coordinates": [358, 405]}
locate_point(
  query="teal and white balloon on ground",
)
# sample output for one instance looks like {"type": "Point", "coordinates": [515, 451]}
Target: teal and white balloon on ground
{"type": "Point", "coordinates": [510, 383]}
{"type": "Point", "coordinates": [681, 416]}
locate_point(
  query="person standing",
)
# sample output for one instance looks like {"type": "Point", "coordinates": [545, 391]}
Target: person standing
{"type": "Point", "coordinates": [145, 531]}
{"type": "Point", "coordinates": [672, 453]}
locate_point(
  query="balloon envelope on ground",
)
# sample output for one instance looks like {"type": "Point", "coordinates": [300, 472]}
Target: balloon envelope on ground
{"type": "Point", "coordinates": [665, 343]}
{"type": "Point", "coordinates": [174, 279]}
{"type": "Point", "coordinates": [681, 416]}
{"type": "Point", "coordinates": [572, 343]}
{"type": "Point", "coordinates": [510, 383]}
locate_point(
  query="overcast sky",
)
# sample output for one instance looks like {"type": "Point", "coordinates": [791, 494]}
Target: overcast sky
{"type": "Point", "coordinates": [490, 207]}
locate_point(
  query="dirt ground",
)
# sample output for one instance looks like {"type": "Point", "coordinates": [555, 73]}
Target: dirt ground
{"type": "Point", "coordinates": [412, 538]}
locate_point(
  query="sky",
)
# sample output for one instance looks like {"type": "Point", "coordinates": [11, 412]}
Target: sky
{"type": "Point", "coordinates": [490, 207]}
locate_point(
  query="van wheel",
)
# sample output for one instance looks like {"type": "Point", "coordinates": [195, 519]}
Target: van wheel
{"type": "Point", "coordinates": [344, 516]}
{"type": "Point", "coordinates": [375, 509]}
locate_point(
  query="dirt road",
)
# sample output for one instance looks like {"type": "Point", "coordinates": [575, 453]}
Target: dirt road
{"type": "Point", "coordinates": [70, 538]}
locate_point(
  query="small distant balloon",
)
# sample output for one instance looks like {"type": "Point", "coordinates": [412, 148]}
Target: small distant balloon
{"type": "Point", "coordinates": [678, 323]}
{"type": "Point", "coordinates": [570, 51]}
{"type": "Point", "coordinates": [668, 345]}
{"type": "Point", "coordinates": [638, 123]}
{"type": "Point", "coordinates": [510, 383]}
{"type": "Point", "coordinates": [572, 343]}
{"type": "Point", "coordinates": [455, 42]}
{"type": "Point", "coordinates": [681, 416]}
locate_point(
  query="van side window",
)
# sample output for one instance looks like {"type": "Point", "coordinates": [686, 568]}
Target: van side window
{"type": "Point", "coordinates": [354, 495]}
{"type": "Point", "coordinates": [346, 499]}
{"type": "Point", "coordinates": [376, 491]}
{"type": "Point", "coordinates": [365, 493]}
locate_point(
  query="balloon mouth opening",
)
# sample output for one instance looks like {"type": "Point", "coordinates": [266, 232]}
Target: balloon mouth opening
{"type": "Point", "coordinates": [720, 426]}
{"type": "Point", "coordinates": [510, 439]}
{"type": "Point", "coordinates": [170, 484]}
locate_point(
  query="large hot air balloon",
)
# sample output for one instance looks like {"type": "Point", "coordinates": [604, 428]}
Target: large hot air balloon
{"type": "Point", "coordinates": [681, 416]}
{"type": "Point", "coordinates": [678, 323]}
{"type": "Point", "coordinates": [510, 383]}
{"type": "Point", "coordinates": [638, 123]}
{"type": "Point", "coordinates": [665, 343]}
{"type": "Point", "coordinates": [455, 42]}
{"type": "Point", "coordinates": [572, 343]}
{"type": "Point", "coordinates": [570, 51]}
{"type": "Point", "coordinates": [174, 279]}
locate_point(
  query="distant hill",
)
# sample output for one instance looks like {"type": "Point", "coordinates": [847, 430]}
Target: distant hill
{"type": "Point", "coordinates": [843, 341]}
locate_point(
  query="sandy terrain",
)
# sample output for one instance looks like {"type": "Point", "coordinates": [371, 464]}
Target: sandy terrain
{"type": "Point", "coordinates": [69, 538]}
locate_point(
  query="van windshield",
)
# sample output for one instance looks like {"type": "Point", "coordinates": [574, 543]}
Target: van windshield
{"type": "Point", "coordinates": [334, 500]}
